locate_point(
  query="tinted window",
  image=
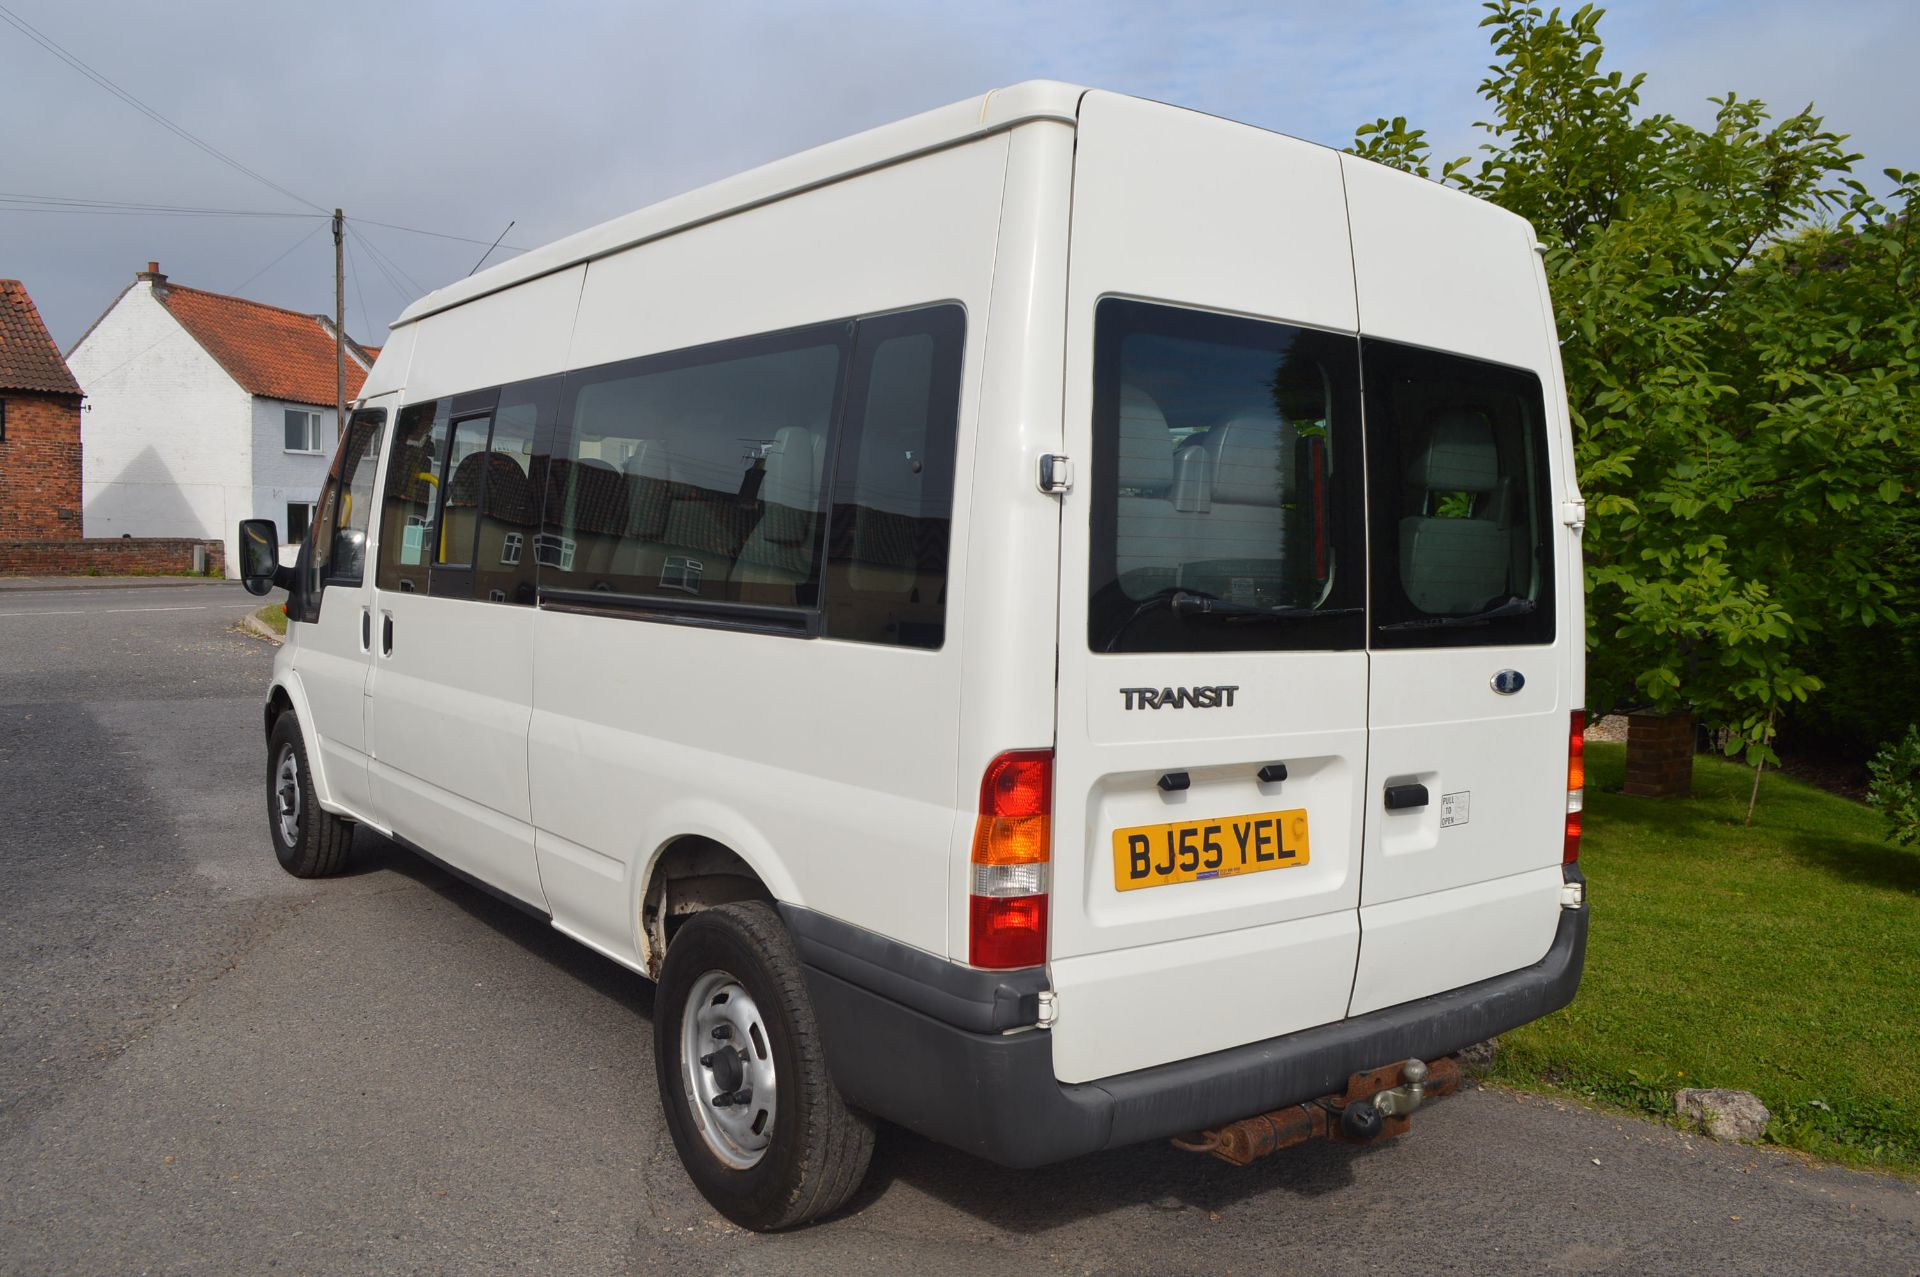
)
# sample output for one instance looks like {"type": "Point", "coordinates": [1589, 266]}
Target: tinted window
{"type": "Point", "coordinates": [1226, 492]}
{"type": "Point", "coordinates": [510, 503]}
{"type": "Point", "coordinates": [409, 532]}
{"type": "Point", "coordinates": [893, 481]}
{"type": "Point", "coordinates": [464, 476]}
{"type": "Point", "coordinates": [696, 476]}
{"type": "Point", "coordinates": [337, 553]}
{"type": "Point", "coordinates": [1457, 456]}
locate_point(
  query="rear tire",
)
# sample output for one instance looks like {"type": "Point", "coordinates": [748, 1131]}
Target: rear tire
{"type": "Point", "coordinates": [310, 843]}
{"type": "Point", "coordinates": [733, 1021]}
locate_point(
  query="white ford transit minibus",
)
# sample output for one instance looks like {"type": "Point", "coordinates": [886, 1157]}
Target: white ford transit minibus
{"type": "Point", "coordinates": [1055, 623]}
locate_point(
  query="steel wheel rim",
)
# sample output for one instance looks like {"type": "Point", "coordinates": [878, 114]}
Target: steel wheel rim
{"type": "Point", "coordinates": [726, 1061]}
{"type": "Point", "coordinates": [286, 796]}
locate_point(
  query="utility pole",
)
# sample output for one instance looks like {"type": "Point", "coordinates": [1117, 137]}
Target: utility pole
{"type": "Point", "coordinates": [339, 328]}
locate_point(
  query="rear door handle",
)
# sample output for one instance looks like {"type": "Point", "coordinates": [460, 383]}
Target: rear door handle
{"type": "Point", "coordinates": [1405, 797]}
{"type": "Point", "coordinates": [366, 629]}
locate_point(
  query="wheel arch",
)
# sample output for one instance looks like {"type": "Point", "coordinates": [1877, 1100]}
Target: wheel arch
{"type": "Point", "coordinates": [687, 874]}
{"type": "Point", "coordinates": [286, 696]}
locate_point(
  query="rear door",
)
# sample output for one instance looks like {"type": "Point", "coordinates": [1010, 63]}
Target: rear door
{"type": "Point", "coordinates": [1211, 741]}
{"type": "Point", "coordinates": [1474, 610]}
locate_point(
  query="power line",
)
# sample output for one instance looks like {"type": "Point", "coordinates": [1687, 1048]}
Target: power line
{"type": "Point", "coordinates": [276, 261]}
{"type": "Point", "coordinates": [46, 42]}
{"type": "Point", "coordinates": [373, 255]}
{"type": "Point", "coordinates": [366, 316]}
{"type": "Point", "coordinates": [418, 289]}
{"type": "Point", "coordinates": [56, 202]}
{"type": "Point", "coordinates": [414, 230]}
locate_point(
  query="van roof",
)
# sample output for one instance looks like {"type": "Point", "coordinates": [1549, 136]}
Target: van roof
{"type": "Point", "coordinates": [875, 148]}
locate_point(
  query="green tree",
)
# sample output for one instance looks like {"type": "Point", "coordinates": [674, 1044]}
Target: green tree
{"type": "Point", "coordinates": [1738, 326]}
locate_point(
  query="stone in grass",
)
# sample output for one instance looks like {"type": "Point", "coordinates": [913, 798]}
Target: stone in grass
{"type": "Point", "coordinates": [1724, 1114]}
{"type": "Point", "coordinates": [1477, 1060]}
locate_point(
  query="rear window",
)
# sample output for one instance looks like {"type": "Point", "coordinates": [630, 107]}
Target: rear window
{"type": "Point", "coordinates": [1457, 452]}
{"type": "Point", "coordinates": [1227, 508]}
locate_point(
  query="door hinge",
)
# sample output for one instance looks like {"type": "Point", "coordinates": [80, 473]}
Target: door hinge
{"type": "Point", "coordinates": [1574, 514]}
{"type": "Point", "coordinates": [1056, 473]}
{"type": "Point", "coordinates": [1049, 1009]}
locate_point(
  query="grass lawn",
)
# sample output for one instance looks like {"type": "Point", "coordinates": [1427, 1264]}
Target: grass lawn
{"type": "Point", "coordinates": [1782, 959]}
{"type": "Point", "coordinates": [274, 617]}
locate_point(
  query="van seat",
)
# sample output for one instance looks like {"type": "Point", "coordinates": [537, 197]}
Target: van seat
{"type": "Point", "coordinates": [1454, 565]}
{"type": "Point", "coordinates": [648, 478]}
{"type": "Point", "coordinates": [1146, 547]}
{"type": "Point", "coordinates": [780, 550]}
{"type": "Point", "coordinates": [1247, 467]}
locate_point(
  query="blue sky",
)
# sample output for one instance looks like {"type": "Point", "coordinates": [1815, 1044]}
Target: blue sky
{"type": "Point", "coordinates": [456, 117]}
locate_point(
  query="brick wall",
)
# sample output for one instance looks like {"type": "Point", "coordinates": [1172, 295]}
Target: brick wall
{"type": "Point", "coordinates": [1659, 755]}
{"type": "Point", "coordinates": [103, 556]}
{"type": "Point", "coordinates": [40, 466]}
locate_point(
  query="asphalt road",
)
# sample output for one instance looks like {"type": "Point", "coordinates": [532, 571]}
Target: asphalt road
{"type": "Point", "coordinates": [208, 1067]}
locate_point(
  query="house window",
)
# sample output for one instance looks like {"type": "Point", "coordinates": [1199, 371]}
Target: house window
{"type": "Point", "coordinates": [299, 519]}
{"type": "Point", "coordinates": [303, 430]}
{"type": "Point", "coordinates": [3, 421]}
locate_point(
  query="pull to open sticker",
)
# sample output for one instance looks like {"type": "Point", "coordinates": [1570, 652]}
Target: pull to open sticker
{"type": "Point", "coordinates": [1454, 808]}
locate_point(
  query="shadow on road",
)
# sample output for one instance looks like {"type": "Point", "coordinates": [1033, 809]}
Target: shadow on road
{"type": "Point", "coordinates": [373, 853]}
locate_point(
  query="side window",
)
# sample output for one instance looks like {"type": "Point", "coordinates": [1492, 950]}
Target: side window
{"type": "Point", "coordinates": [463, 476]}
{"type": "Point", "coordinates": [892, 509]}
{"type": "Point", "coordinates": [341, 517]}
{"type": "Point", "coordinates": [1457, 468]}
{"type": "Point", "coordinates": [510, 497]}
{"type": "Point", "coordinates": [409, 533]}
{"type": "Point", "coordinates": [695, 477]}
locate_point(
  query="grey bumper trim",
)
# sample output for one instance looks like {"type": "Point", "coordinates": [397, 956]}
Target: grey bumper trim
{"type": "Point", "coordinates": [994, 1094]}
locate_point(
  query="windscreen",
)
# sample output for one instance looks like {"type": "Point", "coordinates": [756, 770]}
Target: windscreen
{"type": "Point", "coordinates": [1226, 504]}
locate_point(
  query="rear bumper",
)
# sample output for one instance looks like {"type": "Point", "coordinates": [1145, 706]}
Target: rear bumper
{"type": "Point", "coordinates": [930, 1067]}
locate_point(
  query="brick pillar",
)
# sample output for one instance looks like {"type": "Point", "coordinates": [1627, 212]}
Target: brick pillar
{"type": "Point", "coordinates": [1659, 755]}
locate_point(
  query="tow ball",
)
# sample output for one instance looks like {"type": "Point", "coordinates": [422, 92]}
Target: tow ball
{"type": "Point", "coordinates": [1377, 1104]}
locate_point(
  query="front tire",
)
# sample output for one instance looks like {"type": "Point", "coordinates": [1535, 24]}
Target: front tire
{"type": "Point", "coordinates": [309, 842]}
{"type": "Point", "coordinates": [759, 1125]}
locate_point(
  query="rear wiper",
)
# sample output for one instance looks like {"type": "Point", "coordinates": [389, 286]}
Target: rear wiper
{"type": "Point", "coordinates": [1514, 606]}
{"type": "Point", "coordinates": [1200, 603]}
{"type": "Point", "coordinates": [1192, 603]}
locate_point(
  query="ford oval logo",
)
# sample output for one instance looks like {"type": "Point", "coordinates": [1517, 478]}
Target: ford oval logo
{"type": "Point", "coordinates": [1507, 682]}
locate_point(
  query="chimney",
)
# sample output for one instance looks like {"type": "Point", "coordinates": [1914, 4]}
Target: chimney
{"type": "Point", "coordinates": [153, 276]}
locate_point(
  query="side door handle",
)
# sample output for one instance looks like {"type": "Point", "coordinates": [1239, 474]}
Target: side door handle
{"type": "Point", "coordinates": [1406, 797]}
{"type": "Point", "coordinates": [386, 637]}
{"type": "Point", "coordinates": [366, 629]}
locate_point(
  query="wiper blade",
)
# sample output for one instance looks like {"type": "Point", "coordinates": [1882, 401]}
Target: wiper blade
{"type": "Point", "coordinates": [1200, 603]}
{"type": "Point", "coordinates": [1512, 607]}
{"type": "Point", "coordinates": [1191, 603]}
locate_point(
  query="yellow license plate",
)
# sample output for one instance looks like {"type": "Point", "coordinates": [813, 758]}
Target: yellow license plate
{"type": "Point", "coordinates": [1190, 850]}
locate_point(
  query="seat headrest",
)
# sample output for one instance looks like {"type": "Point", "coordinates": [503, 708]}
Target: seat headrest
{"type": "Point", "coordinates": [1459, 455]}
{"type": "Point", "coordinates": [649, 460]}
{"type": "Point", "coordinates": [1251, 465]}
{"type": "Point", "coordinates": [791, 486]}
{"type": "Point", "coordinates": [1146, 450]}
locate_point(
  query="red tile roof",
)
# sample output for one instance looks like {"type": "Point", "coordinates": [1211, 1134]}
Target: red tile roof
{"type": "Point", "coordinates": [279, 354]}
{"type": "Point", "coordinates": [28, 358]}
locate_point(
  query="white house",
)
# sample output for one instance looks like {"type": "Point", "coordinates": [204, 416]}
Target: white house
{"type": "Point", "coordinates": [203, 410]}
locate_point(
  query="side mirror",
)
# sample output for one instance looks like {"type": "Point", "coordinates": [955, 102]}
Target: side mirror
{"type": "Point", "coordinates": [260, 568]}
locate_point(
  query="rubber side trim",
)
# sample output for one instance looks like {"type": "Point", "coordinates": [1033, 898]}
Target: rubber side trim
{"type": "Point", "coordinates": [994, 1095]}
{"type": "Point", "coordinates": [963, 997]}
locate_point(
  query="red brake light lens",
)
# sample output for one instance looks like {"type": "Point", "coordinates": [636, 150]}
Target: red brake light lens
{"type": "Point", "coordinates": [1012, 850]}
{"type": "Point", "coordinates": [1576, 785]}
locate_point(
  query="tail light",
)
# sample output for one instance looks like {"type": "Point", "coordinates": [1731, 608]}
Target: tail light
{"type": "Point", "coordinates": [1012, 851]}
{"type": "Point", "coordinates": [1576, 784]}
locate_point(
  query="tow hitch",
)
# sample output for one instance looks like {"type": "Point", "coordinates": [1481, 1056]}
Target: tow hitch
{"type": "Point", "coordinates": [1377, 1104]}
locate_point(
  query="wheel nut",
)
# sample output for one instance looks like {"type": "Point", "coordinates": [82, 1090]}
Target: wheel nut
{"type": "Point", "coordinates": [706, 1061]}
{"type": "Point", "coordinates": [722, 1032]}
